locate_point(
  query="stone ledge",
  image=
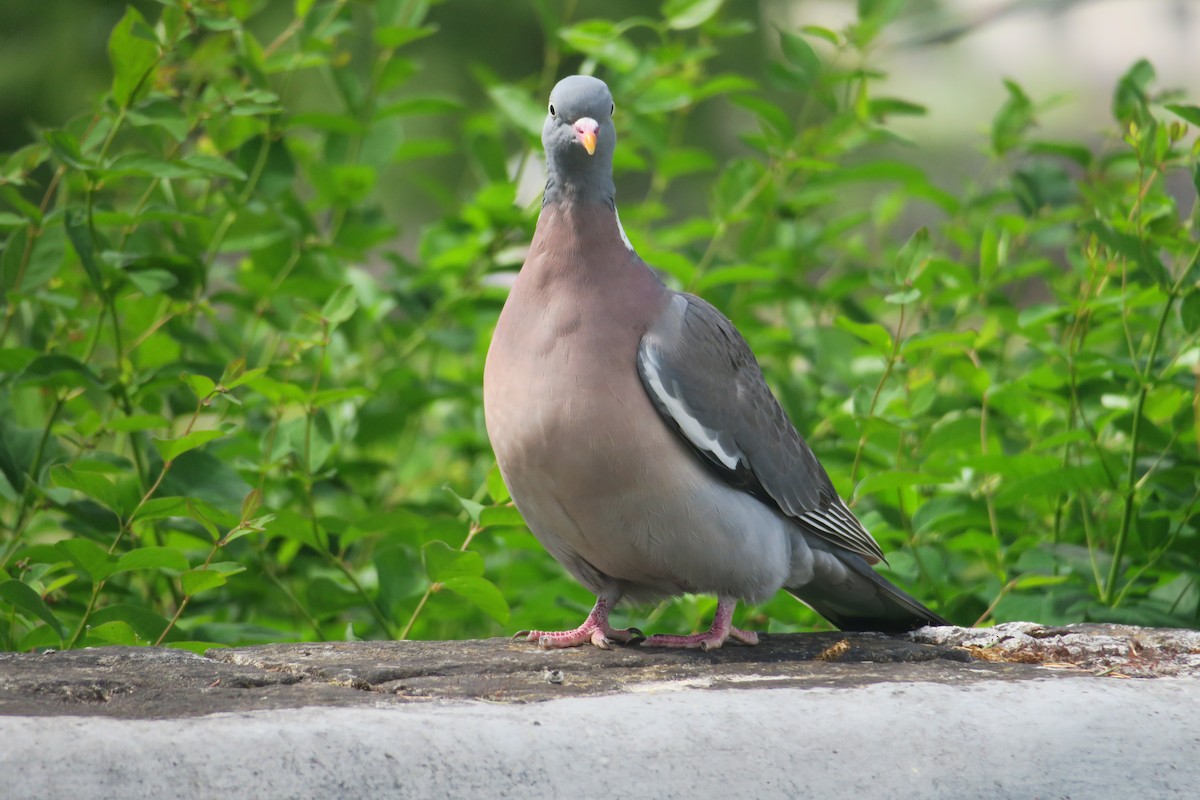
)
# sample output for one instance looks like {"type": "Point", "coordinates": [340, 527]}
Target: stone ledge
{"type": "Point", "coordinates": [153, 683]}
{"type": "Point", "coordinates": [1018, 711]}
{"type": "Point", "coordinates": [1123, 651]}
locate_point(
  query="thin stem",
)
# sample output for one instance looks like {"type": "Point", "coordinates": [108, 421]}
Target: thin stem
{"type": "Point", "coordinates": [1134, 442]}
{"type": "Point", "coordinates": [988, 499]}
{"type": "Point", "coordinates": [25, 510]}
{"type": "Point", "coordinates": [887, 372]}
{"type": "Point", "coordinates": [987, 613]}
{"type": "Point", "coordinates": [188, 598]}
{"type": "Point", "coordinates": [436, 587]}
{"type": "Point", "coordinates": [1158, 554]}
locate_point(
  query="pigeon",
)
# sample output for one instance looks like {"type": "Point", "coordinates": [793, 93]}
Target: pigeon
{"type": "Point", "coordinates": [637, 436]}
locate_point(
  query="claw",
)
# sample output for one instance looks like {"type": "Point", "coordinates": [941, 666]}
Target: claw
{"type": "Point", "coordinates": [595, 630]}
{"type": "Point", "coordinates": [721, 630]}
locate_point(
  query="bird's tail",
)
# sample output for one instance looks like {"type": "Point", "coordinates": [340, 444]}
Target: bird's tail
{"type": "Point", "coordinates": [857, 598]}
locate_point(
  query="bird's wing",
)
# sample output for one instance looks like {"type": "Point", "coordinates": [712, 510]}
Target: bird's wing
{"type": "Point", "coordinates": [706, 384]}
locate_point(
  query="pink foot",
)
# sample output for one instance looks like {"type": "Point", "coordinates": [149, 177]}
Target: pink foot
{"type": "Point", "coordinates": [595, 629]}
{"type": "Point", "coordinates": [721, 630]}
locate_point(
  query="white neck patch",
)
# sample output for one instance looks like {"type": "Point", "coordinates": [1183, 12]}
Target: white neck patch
{"type": "Point", "coordinates": [621, 230]}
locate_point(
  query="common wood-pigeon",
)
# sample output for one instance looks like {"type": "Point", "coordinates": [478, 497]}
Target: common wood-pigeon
{"type": "Point", "coordinates": [637, 436]}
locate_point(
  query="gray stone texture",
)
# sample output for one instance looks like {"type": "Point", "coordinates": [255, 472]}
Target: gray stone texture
{"type": "Point", "coordinates": [1019, 711]}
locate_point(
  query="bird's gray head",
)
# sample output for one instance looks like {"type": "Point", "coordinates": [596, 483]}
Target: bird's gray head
{"type": "Point", "coordinates": [579, 138]}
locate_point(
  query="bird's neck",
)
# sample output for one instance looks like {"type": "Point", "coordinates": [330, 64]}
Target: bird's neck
{"type": "Point", "coordinates": [587, 180]}
{"type": "Point", "coordinates": [582, 242]}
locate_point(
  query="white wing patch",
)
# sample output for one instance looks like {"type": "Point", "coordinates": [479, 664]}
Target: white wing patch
{"type": "Point", "coordinates": [621, 230]}
{"type": "Point", "coordinates": [702, 437]}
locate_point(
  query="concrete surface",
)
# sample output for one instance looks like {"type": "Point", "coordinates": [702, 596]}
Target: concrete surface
{"type": "Point", "coordinates": [807, 715]}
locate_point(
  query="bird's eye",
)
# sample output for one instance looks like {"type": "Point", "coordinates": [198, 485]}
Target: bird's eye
{"type": "Point", "coordinates": [553, 113]}
{"type": "Point", "coordinates": [612, 109]}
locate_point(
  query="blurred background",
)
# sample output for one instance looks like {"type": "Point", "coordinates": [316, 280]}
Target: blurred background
{"type": "Point", "coordinates": [974, 290]}
{"type": "Point", "coordinates": [951, 54]}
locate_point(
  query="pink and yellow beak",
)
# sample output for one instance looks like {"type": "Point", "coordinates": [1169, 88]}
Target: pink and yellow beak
{"type": "Point", "coordinates": [586, 129]}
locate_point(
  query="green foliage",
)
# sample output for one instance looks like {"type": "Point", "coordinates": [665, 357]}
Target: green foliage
{"type": "Point", "coordinates": [233, 409]}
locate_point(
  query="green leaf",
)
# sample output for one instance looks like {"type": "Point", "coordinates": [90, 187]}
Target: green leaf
{"type": "Point", "coordinates": [884, 107]}
{"type": "Point", "coordinates": [1040, 581]}
{"type": "Point", "coordinates": [94, 485]}
{"type": "Point", "coordinates": [133, 54]}
{"type": "Point", "coordinates": [1078, 153]}
{"type": "Point", "coordinates": [1013, 119]}
{"type": "Point", "coordinates": [494, 516]}
{"type": "Point", "coordinates": [1140, 251]}
{"type": "Point", "coordinates": [214, 165]}
{"type": "Point", "coordinates": [340, 306]}
{"type": "Point", "coordinates": [200, 648]}
{"type": "Point", "coordinates": [415, 148]}
{"type": "Point", "coordinates": [152, 281]}
{"type": "Point", "coordinates": [250, 503]}
{"type": "Point", "coordinates": [394, 36]}
{"type": "Point", "coordinates": [894, 479]}
{"type": "Point", "coordinates": [472, 507]}
{"type": "Point", "coordinates": [1089, 478]}
{"type": "Point", "coordinates": [520, 109]}
{"type": "Point", "coordinates": [195, 581]}
{"type": "Point", "coordinates": [1131, 97]}
{"type": "Point", "coordinates": [739, 275]}
{"type": "Point", "coordinates": [868, 9]}
{"type": "Point", "coordinates": [871, 332]}
{"type": "Point", "coordinates": [115, 632]}
{"type": "Point", "coordinates": [325, 597]}
{"type": "Point", "coordinates": [603, 41]}
{"type": "Point", "coordinates": [25, 598]}
{"type": "Point", "coordinates": [482, 593]}
{"type": "Point", "coordinates": [15, 359]}
{"type": "Point", "coordinates": [138, 422]}
{"type": "Point", "coordinates": [497, 490]}
{"type": "Point", "coordinates": [399, 576]}
{"type": "Point", "coordinates": [162, 114]}
{"type": "Point", "coordinates": [171, 449]}
{"type": "Point", "coordinates": [769, 114]}
{"type": "Point", "coordinates": [201, 385]}
{"type": "Point", "coordinates": [145, 623]}
{"type": "Point", "coordinates": [50, 369]}
{"type": "Point", "coordinates": [344, 185]}
{"type": "Point", "coordinates": [442, 562]}
{"type": "Point", "coordinates": [822, 33]}
{"type": "Point", "coordinates": [947, 341]}
{"type": "Point", "coordinates": [873, 15]}
{"type": "Point", "coordinates": [255, 525]}
{"type": "Point", "coordinates": [1189, 113]}
{"type": "Point", "coordinates": [901, 298]}
{"type": "Point", "coordinates": [911, 258]}
{"type": "Point", "coordinates": [684, 14]}
{"type": "Point", "coordinates": [244, 377]}
{"type": "Point", "coordinates": [799, 52]}
{"type": "Point", "coordinates": [162, 508]}
{"type": "Point", "coordinates": [81, 238]}
{"type": "Point", "coordinates": [1189, 312]}
{"type": "Point", "coordinates": [88, 556]}
{"type": "Point", "coordinates": [152, 558]}
{"type": "Point", "coordinates": [66, 147]}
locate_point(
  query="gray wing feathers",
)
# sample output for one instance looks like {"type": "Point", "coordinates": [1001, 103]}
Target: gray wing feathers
{"type": "Point", "coordinates": [703, 379]}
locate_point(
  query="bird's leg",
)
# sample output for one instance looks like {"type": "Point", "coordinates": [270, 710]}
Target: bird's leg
{"type": "Point", "coordinates": [721, 629]}
{"type": "Point", "coordinates": [595, 629]}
